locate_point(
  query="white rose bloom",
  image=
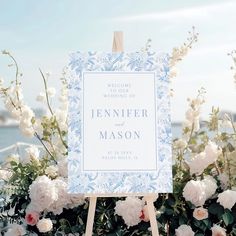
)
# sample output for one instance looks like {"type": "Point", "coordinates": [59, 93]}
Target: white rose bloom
{"type": "Point", "coordinates": [227, 199]}
{"type": "Point", "coordinates": [32, 154]}
{"type": "Point", "coordinates": [218, 231]}
{"type": "Point", "coordinates": [63, 198]}
{"type": "Point", "coordinates": [51, 92]}
{"type": "Point", "coordinates": [194, 192]}
{"type": "Point", "coordinates": [15, 230]}
{"type": "Point", "coordinates": [129, 210]}
{"type": "Point", "coordinates": [75, 200]}
{"type": "Point", "coordinates": [198, 164]}
{"type": "Point", "coordinates": [52, 171]}
{"type": "Point", "coordinates": [210, 186]}
{"type": "Point", "coordinates": [200, 213]}
{"type": "Point", "coordinates": [184, 230]}
{"type": "Point", "coordinates": [43, 193]}
{"type": "Point", "coordinates": [212, 152]}
{"type": "Point", "coordinates": [44, 225]}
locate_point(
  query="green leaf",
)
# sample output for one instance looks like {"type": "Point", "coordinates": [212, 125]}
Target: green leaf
{"type": "Point", "coordinates": [216, 209]}
{"type": "Point", "coordinates": [228, 217]}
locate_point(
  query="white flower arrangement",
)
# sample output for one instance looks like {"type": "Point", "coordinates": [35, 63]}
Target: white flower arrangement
{"type": "Point", "coordinates": [35, 197]}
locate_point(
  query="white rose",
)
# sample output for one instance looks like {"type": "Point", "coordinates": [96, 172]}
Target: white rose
{"type": "Point", "coordinates": [227, 199]}
{"type": "Point", "coordinates": [184, 230]}
{"type": "Point", "coordinates": [200, 213]}
{"type": "Point", "coordinates": [63, 197]}
{"type": "Point", "coordinates": [75, 200]}
{"type": "Point", "coordinates": [218, 231]}
{"type": "Point", "coordinates": [44, 225]}
{"type": "Point", "coordinates": [212, 152]}
{"type": "Point", "coordinates": [42, 193]}
{"type": "Point", "coordinates": [51, 171]}
{"type": "Point", "coordinates": [210, 185]}
{"type": "Point", "coordinates": [198, 164]}
{"type": "Point", "coordinates": [194, 192]}
{"type": "Point", "coordinates": [129, 210]}
{"type": "Point", "coordinates": [15, 230]}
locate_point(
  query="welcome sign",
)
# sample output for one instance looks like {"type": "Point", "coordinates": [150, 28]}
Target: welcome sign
{"type": "Point", "coordinates": [119, 124]}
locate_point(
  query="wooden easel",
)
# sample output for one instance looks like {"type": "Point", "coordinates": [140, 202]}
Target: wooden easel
{"type": "Point", "coordinates": [118, 47]}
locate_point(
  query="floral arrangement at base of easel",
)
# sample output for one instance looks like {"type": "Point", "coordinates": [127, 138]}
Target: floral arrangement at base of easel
{"type": "Point", "coordinates": [34, 198]}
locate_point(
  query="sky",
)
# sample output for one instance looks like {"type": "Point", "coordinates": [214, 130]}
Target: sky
{"type": "Point", "coordinates": [42, 34]}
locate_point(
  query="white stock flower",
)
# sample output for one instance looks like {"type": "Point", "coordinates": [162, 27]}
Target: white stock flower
{"type": "Point", "coordinates": [26, 128]}
{"type": "Point", "coordinates": [27, 113]}
{"type": "Point", "coordinates": [192, 115]}
{"type": "Point", "coordinates": [51, 171]}
{"type": "Point", "coordinates": [194, 192]}
{"type": "Point", "coordinates": [5, 175]}
{"type": "Point", "coordinates": [42, 193]}
{"type": "Point", "coordinates": [129, 210]}
{"type": "Point", "coordinates": [13, 157]}
{"type": "Point", "coordinates": [184, 230]}
{"type": "Point", "coordinates": [44, 225]}
{"type": "Point", "coordinates": [32, 154]}
{"type": "Point", "coordinates": [41, 97]}
{"type": "Point", "coordinates": [180, 144]}
{"type": "Point", "coordinates": [38, 128]}
{"type": "Point", "coordinates": [15, 230]}
{"type": "Point", "coordinates": [210, 186]}
{"type": "Point", "coordinates": [218, 231]}
{"type": "Point", "coordinates": [51, 92]}
{"type": "Point", "coordinates": [200, 213]}
{"type": "Point", "coordinates": [227, 199]}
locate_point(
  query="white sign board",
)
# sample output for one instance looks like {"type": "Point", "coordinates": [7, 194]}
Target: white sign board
{"type": "Point", "coordinates": [119, 125]}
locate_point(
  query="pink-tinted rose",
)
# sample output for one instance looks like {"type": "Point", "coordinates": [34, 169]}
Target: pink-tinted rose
{"type": "Point", "coordinates": [32, 218]}
{"type": "Point", "coordinates": [200, 213]}
{"type": "Point", "coordinates": [144, 214]}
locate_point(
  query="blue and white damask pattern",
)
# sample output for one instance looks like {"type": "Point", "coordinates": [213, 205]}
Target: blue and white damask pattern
{"type": "Point", "coordinates": [122, 182]}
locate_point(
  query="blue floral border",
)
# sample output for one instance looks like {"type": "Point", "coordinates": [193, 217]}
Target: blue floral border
{"type": "Point", "coordinates": [122, 182]}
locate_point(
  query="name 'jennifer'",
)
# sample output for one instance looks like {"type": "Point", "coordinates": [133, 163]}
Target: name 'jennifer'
{"type": "Point", "coordinates": [119, 113]}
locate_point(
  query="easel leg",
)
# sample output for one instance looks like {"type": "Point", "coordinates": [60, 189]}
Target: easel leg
{"type": "Point", "coordinates": [152, 216]}
{"type": "Point", "coordinates": [91, 214]}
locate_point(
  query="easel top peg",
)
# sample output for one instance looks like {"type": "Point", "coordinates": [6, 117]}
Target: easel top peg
{"type": "Point", "coordinates": [118, 43]}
